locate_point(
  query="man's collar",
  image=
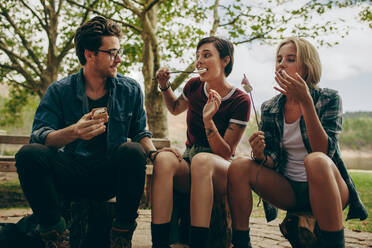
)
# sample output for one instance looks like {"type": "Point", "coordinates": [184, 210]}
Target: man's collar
{"type": "Point", "coordinates": [110, 84]}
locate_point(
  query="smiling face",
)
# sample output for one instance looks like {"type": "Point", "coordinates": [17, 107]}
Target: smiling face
{"type": "Point", "coordinates": [104, 64]}
{"type": "Point", "coordinates": [208, 57]}
{"type": "Point", "coordinates": [287, 60]}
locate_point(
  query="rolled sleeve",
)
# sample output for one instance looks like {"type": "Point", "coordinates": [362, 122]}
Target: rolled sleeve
{"type": "Point", "coordinates": [272, 141]}
{"type": "Point", "coordinates": [47, 117]}
{"type": "Point", "coordinates": [39, 135]}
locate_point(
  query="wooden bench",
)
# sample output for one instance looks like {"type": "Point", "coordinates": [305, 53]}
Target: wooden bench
{"type": "Point", "coordinates": [7, 163]}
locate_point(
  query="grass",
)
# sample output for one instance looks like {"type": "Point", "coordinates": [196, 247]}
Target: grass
{"type": "Point", "coordinates": [11, 196]}
{"type": "Point", "coordinates": [363, 183]}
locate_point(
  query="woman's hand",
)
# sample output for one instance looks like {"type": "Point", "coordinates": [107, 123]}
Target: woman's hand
{"type": "Point", "coordinates": [257, 142]}
{"type": "Point", "coordinates": [162, 76]}
{"type": "Point", "coordinates": [295, 88]}
{"type": "Point", "coordinates": [212, 105]}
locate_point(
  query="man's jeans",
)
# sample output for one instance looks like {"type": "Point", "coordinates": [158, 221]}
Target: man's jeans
{"type": "Point", "coordinates": [46, 174]}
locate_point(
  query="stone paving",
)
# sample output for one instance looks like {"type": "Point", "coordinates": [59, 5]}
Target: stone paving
{"type": "Point", "coordinates": [263, 235]}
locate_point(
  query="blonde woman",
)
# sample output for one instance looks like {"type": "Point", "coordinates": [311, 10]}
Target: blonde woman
{"type": "Point", "coordinates": [217, 114]}
{"type": "Point", "coordinates": [298, 147]}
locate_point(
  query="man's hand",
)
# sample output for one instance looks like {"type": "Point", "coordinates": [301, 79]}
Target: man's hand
{"type": "Point", "coordinates": [175, 151]}
{"type": "Point", "coordinates": [87, 128]}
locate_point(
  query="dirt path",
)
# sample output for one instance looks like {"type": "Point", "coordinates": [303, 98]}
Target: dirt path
{"type": "Point", "coordinates": [263, 235]}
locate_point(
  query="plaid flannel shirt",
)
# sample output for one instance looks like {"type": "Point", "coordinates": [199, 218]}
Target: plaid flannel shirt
{"type": "Point", "coordinates": [328, 107]}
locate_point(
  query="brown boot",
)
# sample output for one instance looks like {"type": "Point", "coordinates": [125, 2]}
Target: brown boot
{"type": "Point", "coordinates": [54, 239]}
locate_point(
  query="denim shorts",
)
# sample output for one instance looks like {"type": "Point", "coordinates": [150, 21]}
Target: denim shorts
{"type": "Point", "coordinates": [190, 152]}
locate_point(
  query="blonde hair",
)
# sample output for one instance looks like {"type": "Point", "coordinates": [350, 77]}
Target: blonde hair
{"type": "Point", "coordinates": [307, 58]}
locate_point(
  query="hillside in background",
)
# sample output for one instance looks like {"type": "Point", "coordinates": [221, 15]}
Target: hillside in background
{"type": "Point", "coordinates": [357, 114]}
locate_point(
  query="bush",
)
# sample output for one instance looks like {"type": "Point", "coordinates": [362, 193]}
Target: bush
{"type": "Point", "coordinates": [357, 133]}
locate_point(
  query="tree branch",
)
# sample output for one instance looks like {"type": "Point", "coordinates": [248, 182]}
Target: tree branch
{"type": "Point", "coordinates": [216, 18]}
{"type": "Point", "coordinates": [18, 83]}
{"type": "Point", "coordinates": [139, 3]}
{"type": "Point", "coordinates": [34, 14]}
{"type": "Point", "coordinates": [12, 54]}
{"type": "Point", "coordinates": [126, 24]}
{"type": "Point", "coordinates": [68, 45]}
{"type": "Point", "coordinates": [23, 39]}
{"type": "Point", "coordinates": [128, 5]}
{"type": "Point", "coordinates": [45, 16]}
{"type": "Point", "coordinates": [16, 67]}
{"type": "Point", "coordinates": [60, 5]}
{"type": "Point", "coordinates": [151, 4]}
{"type": "Point", "coordinates": [260, 36]}
{"type": "Point", "coordinates": [232, 21]}
{"type": "Point", "coordinates": [181, 77]}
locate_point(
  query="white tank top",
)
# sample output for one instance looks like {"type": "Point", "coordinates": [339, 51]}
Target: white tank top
{"type": "Point", "coordinates": [292, 141]}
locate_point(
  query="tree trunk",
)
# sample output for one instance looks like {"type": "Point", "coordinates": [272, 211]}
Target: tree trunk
{"type": "Point", "coordinates": [156, 115]}
{"type": "Point", "coordinates": [155, 109]}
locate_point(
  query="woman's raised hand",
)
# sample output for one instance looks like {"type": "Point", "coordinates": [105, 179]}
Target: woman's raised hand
{"type": "Point", "coordinates": [212, 105]}
{"type": "Point", "coordinates": [294, 87]}
{"type": "Point", "coordinates": [162, 76]}
{"type": "Point", "coordinates": [257, 142]}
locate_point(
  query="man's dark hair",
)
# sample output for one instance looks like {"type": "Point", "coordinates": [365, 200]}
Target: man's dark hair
{"type": "Point", "coordinates": [224, 48]}
{"type": "Point", "coordinates": [89, 35]}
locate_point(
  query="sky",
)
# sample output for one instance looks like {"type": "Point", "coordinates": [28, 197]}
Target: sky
{"type": "Point", "coordinates": [346, 67]}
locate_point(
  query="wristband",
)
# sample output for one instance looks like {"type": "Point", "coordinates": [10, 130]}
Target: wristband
{"type": "Point", "coordinates": [259, 161]}
{"type": "Point", "coordinates": [150, 155]}
{"type": "Point", "coordinates": [264, 161]}
{"type": "Point", "coordinates": [165, 88]}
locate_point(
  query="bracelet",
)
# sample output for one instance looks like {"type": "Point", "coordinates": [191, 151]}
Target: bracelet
{"type": "Point", "coordinates": [264, 161]}
{"type": "Point", "coordinates": [165, 88]}
{"type": "Point", "coordinates": [150, 155]}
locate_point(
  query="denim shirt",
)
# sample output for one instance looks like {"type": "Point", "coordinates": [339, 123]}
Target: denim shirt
{"type": "Point", "coordinates": [65, 102]}
{"type": "Point", "coordinates": [328, 107]}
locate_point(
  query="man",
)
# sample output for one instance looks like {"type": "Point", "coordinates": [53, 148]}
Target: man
{"type": "Point", "coordinates": [74, 155]}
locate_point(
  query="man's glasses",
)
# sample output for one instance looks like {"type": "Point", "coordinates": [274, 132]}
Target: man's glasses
{"type": "Point", "coordinates": [114, 53]}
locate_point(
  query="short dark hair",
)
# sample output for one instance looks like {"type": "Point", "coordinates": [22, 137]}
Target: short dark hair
{"type": "Point", "coordinates": [224, 48]}
{"type": "Point", "coordinates": [89, 35]}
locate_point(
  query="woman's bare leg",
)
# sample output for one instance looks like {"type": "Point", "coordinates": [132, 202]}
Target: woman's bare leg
{"type": "Point", "coordinates": [168, 172]}
{"type": "Point", "coordinates": [208, 175]}
{"type": "Point", "coordinates": [328, 191]}
{"type": "Point", "coordinates": [245, 175]}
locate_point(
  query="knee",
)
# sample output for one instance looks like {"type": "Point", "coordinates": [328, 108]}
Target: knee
{"type": "Point", "coordinates": [164, 164]}
{"type": "Point", "coordinates": [239, 169]}
{"type": "Point", "coordinates": [201, 166]}
{"type": "Point", "coordinates": [318, 166]}
{"type": "Point", "coordinates": [131, 154]}
{"type": "Point", "coordinates": [29, 155]}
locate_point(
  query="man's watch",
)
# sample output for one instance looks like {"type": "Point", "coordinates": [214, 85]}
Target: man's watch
{"type": "Point", "coordinates": [152, 155]}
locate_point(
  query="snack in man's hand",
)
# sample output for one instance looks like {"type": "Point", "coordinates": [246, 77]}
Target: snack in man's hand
{"type": "Point", "coordinates": [99, 113]}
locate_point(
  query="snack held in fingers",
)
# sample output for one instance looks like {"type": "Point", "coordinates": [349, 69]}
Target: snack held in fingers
{"type": "Point", "coordinates": [100, 113]}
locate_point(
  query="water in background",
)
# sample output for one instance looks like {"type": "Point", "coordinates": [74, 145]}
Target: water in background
{"type": "Point", "coordinates": [358, 163]}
